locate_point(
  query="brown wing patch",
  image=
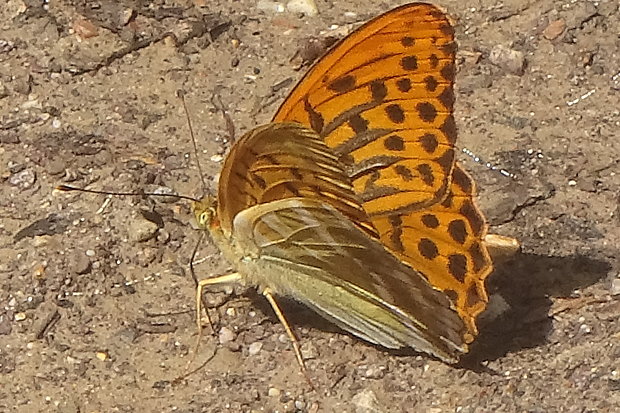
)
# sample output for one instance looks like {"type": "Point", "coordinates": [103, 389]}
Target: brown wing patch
{"type": "Point", "coordinates": [279, 161]}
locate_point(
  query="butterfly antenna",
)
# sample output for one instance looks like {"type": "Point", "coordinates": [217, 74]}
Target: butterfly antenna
{"type": "Point", "coordinates": [69, 188]}
{"type": "Point", "coordinates": [216, 101]}
{"type": "Point", "coordinates": [181, 95]}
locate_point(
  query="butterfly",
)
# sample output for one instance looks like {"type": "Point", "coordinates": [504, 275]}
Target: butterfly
{"type": "Point", "coordinates": [351, 201]}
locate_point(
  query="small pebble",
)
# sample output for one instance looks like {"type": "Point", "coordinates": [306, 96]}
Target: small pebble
{"type": "Point", "coordinates": [512, 61]}
{"type": "Point", "coordinates": [255, 348]}
{"type": "Point", "coordinates": [4, 91]}
{"type": "Point", "coordinates": [5, 326]}
{"type": "Point", "coordinates": [226, 335]}
{"type": "Point", "coordinates": [366, 402]}
{"type": "Point", "coordinates": [169, 192]}
{"type": "Point", "coordinates": [85, 28]}
{"type": "Point", "coordinates": [615, 286]}
{"type": "Point", "coordinates": [141, 229]}
{"type": "Point", "coordinates": [56, 167]}
{"type": "Point", "coordinates": [23, 179]}
{"type": "Point", "coordinates": [269, 6]}
{"type": "Point", "coordinates": [20, 316]}
{"type": "Point", "coordinates": [163, 236]}
{"type": "Point", "coordinates": [375, 372]}
{"type": "Point", "coordinates": [273, 392]}
{"type": "Point", "coordinates": [307, 7]}
{"type": "Point", "coordinates": [554, 29]}
{"type": "Point", "coordinates": [309, 350]}
{"type": "Point", "coordinates": [38, 272]}
{"type": "Point", "coordinates": [102, 355]}
{"type": "Point", "coordinates": [79, 264]}
{"type": "Point", "coordinates": [40, 241]}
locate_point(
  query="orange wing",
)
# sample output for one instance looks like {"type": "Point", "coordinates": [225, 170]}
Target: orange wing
{"type": "Point", "coordinates": [383, 99]}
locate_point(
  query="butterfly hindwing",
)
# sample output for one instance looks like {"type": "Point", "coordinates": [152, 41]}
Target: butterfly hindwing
{"type": "Point", "coordinates": [315, 255]}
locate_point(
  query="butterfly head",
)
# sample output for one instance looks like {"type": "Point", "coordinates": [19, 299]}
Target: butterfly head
{"type": "Point", "coordinates": [205, 211]}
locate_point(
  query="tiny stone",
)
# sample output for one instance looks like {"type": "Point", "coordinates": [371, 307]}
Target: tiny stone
{"type": "Point", "coordinates": [226, 335]}
{"type": "Point", "coordinates": [141, 229]}
{"type": "Point", "coordinates": [163, 236]}
{"type": "Point", "coordinates": [615, 286]}
{"type": "Point", "coordinates": [20, 316]}
{"type": "Point", "coordinates": [375, 372]}
{"type": "Point", "coordinates": [23, 179]}
{"type": "Point", "coordinates": [307, 7]}
{"type": "Point", "coordinates": [164, 190]}
{"type": "Point", "coordinates": [5, 326]}
{"type": "Point", "coordinates": [309, 350]}
{"type": "Point", "coordinates": [269, 6]}
{"type": "Point", "coordinates": [40, 241]}
{"type": "Point", "coordinates": [300, 405]}
{"type": "Point", "coordinates": [255, 348]}
{"type": "Point", "coordinates": [102, 355]}
{"type": "Point", "coordinates": [56, 167]}
{"type": "Point", "coordinates": [366, 402]}
{"type": "Point", "coordinates": [233, 346]}
{"type": "Point", "coordinates": [554, 29]}
{"type": "Point", "coordinates": [273, 392]}
{"type": "Point", "coordinates": [512, 61]}
{"type": "Point", "coordinates": [4, 91]}
{"type": "Point", "coordinates": [80, 264]}
{"type": "Point", "coordinates": [90, 253]}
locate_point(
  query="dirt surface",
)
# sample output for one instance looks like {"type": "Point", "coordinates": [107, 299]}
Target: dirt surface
{"type": "Point", "coordinates": [96, 299]}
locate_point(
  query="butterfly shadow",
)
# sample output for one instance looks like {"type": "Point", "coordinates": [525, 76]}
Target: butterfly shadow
{"type": "Point", "coordinates": [526, 284]}
{"type": "Point", "coordinates": [524, 287]}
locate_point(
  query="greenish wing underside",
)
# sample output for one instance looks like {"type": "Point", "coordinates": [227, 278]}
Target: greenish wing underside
{"type": "Point", "coordinates": [315, 255]}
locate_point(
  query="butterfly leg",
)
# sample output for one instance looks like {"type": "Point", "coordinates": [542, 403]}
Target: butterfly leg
{"type": "Point", "coordinates": [268, 294]}
{"type": "Point", "coordinates": [200, 285]}
{"type": "Point", "coordinates": [232, 278]}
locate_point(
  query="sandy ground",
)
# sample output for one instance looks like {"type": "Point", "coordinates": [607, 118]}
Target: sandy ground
{"type": "Point", "coordinates": [96, 299]}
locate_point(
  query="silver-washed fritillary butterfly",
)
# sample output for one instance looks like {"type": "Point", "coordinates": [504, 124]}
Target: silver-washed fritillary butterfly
{"type": "Point", "coordinates": [351, 201]}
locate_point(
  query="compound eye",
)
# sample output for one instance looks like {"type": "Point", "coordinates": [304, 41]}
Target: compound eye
{"type": "Point", "coordinates": [204, 218]}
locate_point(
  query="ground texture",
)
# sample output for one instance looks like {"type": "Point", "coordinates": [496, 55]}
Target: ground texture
{"type": "Point", "coordinates": [96, 299]}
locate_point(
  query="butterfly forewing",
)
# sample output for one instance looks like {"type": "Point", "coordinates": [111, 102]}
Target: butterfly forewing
{"type": "Point", "coordinates": [312, 253]}
{"type": "Point", "coordinates": [279, 161]}
{"type": "Point", "coordinates": [383, 99]}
